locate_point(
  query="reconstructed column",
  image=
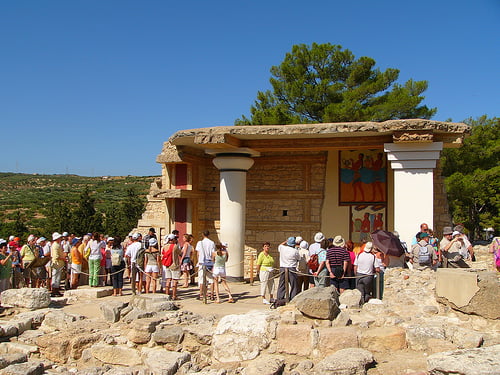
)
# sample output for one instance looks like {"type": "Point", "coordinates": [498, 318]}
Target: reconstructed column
{"type": "Point", "coordinates": [413, 165]}
{"type": "Point", "coordinates": [233, 169]}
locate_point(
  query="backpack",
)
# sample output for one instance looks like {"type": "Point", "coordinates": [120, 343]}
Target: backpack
{"type": "Point", "coordinates": [423, 255]}
{"type": "Point", "coordinates": [116, 259]}
{"type": "Point", "coordinates": [139, 259]}
{"type": "Point", "coordinates": [164, 258]}
{"type": "Point", "coordinates": [312, 263]}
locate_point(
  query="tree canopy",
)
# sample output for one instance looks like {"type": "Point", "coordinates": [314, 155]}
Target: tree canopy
{"type": "Point", "coordinates": [472, 177]}
{"type": "Point", "coordinates": [325, 83]}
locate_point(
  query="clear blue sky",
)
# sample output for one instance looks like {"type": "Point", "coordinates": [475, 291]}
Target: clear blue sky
{"type": "Point", "coordinates": [95, 87]}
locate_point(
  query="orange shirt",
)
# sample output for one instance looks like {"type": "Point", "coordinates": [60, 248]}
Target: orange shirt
{"type": "Point", "coordinates": [76, 255]}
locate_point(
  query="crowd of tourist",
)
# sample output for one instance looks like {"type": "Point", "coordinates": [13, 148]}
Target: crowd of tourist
{"type": "Point", "coordinates": [68, 261]}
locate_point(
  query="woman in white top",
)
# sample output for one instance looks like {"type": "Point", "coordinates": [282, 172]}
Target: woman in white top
{"type": "Point", "coordinates": [95, 245]}
{"type": "Point", "coordinates": [186, 264]}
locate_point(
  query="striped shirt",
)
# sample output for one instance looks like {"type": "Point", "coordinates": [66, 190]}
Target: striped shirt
{"type": "Point", "coordinates": [336, 256]}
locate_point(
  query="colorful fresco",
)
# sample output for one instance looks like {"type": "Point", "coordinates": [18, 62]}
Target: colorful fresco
{"type": "Point", "coordinates": [363, 177]}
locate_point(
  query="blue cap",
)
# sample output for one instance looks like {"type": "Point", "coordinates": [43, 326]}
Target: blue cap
{"type": "Point", "coordinates": [290, 241]}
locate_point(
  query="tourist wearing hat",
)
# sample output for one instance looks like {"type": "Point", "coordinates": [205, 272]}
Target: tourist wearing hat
{"type": "Point", "coordinates": [58, 263]}
{"type": "Point", "coordinates": [131, 255]}
{"type": "Point", "coordinates": [29, 254]}
{"type": "Point", "coordinates": [315, 248]}
{"type": "Point", "coordinates": [170, 261]}
{"type": "Point", "coordinates": [422, 253]}
{"type": "Point", "coordinates": [337, 261]}
{"type": "Point", "coordinates": [365, 267]}
{"type": "Point", "coordinates": [453, 249]}
{"type": "Point", "coordinates": [289, 258]}
{"type": "Point", "coordinates": [152, 261]}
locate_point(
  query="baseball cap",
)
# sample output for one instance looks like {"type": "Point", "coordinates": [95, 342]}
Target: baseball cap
{"type": "Point", "coordinates": [56, 236]}
{"type": "Point", "coordinates": [153, 242]}
{"type": "Point", "coordinates": [136, 236]}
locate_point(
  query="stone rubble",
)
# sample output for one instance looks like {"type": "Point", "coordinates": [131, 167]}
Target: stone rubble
{"type": "Point", "coordinates": [407, 332]}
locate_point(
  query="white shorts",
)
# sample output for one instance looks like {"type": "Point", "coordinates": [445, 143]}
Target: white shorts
{"type": "Point", "coordinates": [76, 268]}
{"type": "Point", "coordinates": [151, 268]}
{"type": "Point", "coordinates": [170, 274]}
{"type": "Point", "coordinates": [219, 271]}
{"type": "Point", "coordinates": [210, 277]}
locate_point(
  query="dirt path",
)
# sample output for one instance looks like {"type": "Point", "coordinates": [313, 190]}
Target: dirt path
{"type": "Point", "coordinates": [247, 298]}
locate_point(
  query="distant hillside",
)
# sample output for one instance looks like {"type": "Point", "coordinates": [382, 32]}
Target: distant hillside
{"type": "Point", "coordinates": [33, 193]}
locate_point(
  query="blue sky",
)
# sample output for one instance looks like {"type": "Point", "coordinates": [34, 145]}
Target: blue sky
{"type": "Point", "coordinates": [95, 87]}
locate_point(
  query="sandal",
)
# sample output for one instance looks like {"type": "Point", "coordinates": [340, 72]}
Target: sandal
{"type": "Point", "coordinates": [231, 300]}
{"type": "Point", "coordinates": [218, 301]}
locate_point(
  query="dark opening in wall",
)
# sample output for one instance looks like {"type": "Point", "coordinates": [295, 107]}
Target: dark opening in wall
{"type": "Point", "coordinates": [285, 212]}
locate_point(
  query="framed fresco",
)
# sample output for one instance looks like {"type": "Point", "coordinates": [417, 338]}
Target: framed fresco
{"type": "Point", "coordinates": [365, 220]}
{"type": "Point", "coordinates": [363, 177]}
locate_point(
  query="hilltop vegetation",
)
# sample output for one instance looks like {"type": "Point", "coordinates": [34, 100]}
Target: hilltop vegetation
{"type": "Point", "coordinates": [42, 203]}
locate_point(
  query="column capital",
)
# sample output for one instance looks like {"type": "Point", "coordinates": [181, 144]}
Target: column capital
{"type": "Point", "coordinates": [234, 160]}
{"type": "Point", "coordinates": [413, 155]}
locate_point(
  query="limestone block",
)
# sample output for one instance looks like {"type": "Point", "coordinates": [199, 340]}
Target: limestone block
{"type": "Point", "coordinates": [29, 298]}
{"type": "Point", "coordinates": [422, 337]}
{"type": "Point", "coordinates": [464, 338]}
{"type": "Point", "coordinates": [242, 337]}
{"type": "Point", "coordinates": [27, 368]}
{"type": "Point", "coordinates": [295, 339]}
{"type": "Point", "coordinates": [479, 361]}
{"type": "Point", "coordinates": [469, 291]}
{"type": "Point", "coordinates": [116, 354]}
{"type": "Point", "coordinates": [55, 346]}
{"type": "Point", "coordinates": [61, 321]}
{"type": "Point", "coordinates": [351, 298]}
{"type": "Point", "coordinates": [352, 361]}
{"type": "Point", "coordinates": [320, 303]}
{"type": "Point", "coordinates": [167, 334]}
{"type": "Point", "coordinates": [382, 339]}
{"type": "Point", "coordinates": [163, 362]}
{"type": "Point", "coordinates": [17, 347]}
{"type": "Point", "coordinates": [337, 338]}
{"type": "Point", "coordinates": [111, 310]}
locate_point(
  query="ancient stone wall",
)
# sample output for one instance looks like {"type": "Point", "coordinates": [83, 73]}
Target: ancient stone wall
{"type": "Point", "coordinates": [442, 216]}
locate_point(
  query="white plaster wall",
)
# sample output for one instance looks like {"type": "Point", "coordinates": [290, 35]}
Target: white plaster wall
{"type": "Point", "coordinates": [413, 201]}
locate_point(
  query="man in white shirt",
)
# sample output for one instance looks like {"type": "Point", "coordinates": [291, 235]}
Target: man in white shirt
{"type": "Point", "coordinates": [365, 266]}
{"type": "Point", "coordinates": [289, 258]}
{"type": "Point", "coordinates": [131, 254]}
{"type": "Point", "coordinates": [205, 249]}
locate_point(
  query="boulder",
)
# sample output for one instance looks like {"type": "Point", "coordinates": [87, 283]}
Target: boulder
{"type": "Point", "coordinates": [265, 365]}
{"type": "Point", "coordinates": [111, 310]}
{"type": "Point", "coordinates": [168, 334]}
{"type": "Point", "coordinates": [29, 298]}
{"type": "Point", "coordinates": [351, 298]}
{"type": "Point", "coordinates": [163, 362]}
{"type": "Point", "coordinates": [142, 329]}
{"type": "Point", "coordinates": [464, 338]}
{"type": "Point", "coordinates": [479, 361]}
{"type": "Point", "coordinates": [351, 361]}
{"type": "Point", "coordinates": [469, 291]}
{"type": "Point", "coordinates": [242, 337]}
{"type": "Point", "coordinates": [319, 303]}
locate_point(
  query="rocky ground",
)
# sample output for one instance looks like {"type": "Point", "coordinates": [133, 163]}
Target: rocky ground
{"type": "Point", "coordinates": [408, 332]}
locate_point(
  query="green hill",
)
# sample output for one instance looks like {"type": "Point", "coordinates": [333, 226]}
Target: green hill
{"type": "Point", "coordinates": [29, 197]}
